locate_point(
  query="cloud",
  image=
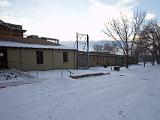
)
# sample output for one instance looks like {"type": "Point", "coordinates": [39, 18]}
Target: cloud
{"type": "Point", "coordinates": [101, 10]}
{"type": "Point", "coordinates": [4, 3]}
{"type": "Point", "coordinates": [99, 13]}
{"type": "Point", "coordinates": [64, 27]}
{"type": "Point", "coordinates": [127, 3]}
{"type": "Point", "coordinates": [150, 16]}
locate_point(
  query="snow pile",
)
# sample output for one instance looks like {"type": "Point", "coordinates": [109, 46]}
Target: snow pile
{"type": "Point", "coordinates": [7, 75]}
{"type": "Point", "coordinates": [13, 77]}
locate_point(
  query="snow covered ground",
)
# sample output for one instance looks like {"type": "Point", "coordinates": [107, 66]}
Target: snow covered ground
{"type": "Point", "coordinates": [132, 94]}
{"type": "Point", "coordinates": [15, 77]}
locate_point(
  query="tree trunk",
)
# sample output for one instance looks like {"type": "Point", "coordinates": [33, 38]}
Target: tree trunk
{"type": "Point", "coordinates": [127, 61]}
{"type": "Point", "coordinates": [157, 57]}
{"type": "Point", "coordinates": [144, 59]}
{"type": "Point", "coordinates": [153, 58]}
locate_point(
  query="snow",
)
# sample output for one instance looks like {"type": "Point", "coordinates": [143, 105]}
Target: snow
{"type": "Point", "coordinates": [24, 45]}
{"type": "Point", "coordinates": [130, 94]}
{"type": "Point", "coordinates": [14, 77]}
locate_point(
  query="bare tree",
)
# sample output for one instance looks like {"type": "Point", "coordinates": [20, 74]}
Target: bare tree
{"type": "Point", "coordinates": [98, 47]}
{"type": "Point", "coordinates": [155, 32]}
{"type": "Point", "coordinates": [142, 47]}
{"type": "Point", "coordinates": [110, 47]}
{"type": "Point", "coordinates": [125, 31]}
{"type": "Point", "coordinates": [152, 33]}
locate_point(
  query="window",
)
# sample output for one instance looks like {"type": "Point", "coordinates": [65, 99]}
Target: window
{"type": "Point", "coordinates": [39, 56]}
{"type": "Point", "coordinates": [65, 56]}
{"type": "Point", "coordinates": [1, 54]}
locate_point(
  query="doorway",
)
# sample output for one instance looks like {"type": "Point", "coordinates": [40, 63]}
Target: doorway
{"type": "Point", "coordinates": [3, 58]}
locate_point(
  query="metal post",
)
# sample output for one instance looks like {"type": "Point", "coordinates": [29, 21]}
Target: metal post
{"type": "Point", "coordinates": [61, 73]}
{"type": "Point", "coordinates": [77, 40]}
{"type": "Point", "coordinates": [77, 51]}
{"type": "Point", "coordinates": [37, 73]}
{"type": "Point", "coordinates": [88, 62]}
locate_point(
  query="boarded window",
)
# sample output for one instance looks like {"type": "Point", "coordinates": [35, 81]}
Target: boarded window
{"type": "Point", "coordinates": [39, 56]}
{"type": "Point", "coordinates": [65, 56]}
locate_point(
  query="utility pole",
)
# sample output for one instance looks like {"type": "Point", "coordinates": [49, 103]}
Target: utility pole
{"type": "Point", "coordinates": [80, 36]}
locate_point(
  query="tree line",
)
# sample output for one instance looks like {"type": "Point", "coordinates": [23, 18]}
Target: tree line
{"type": "Point", "coordinates": [110, 47]}
{"type": "Point", "coordinates": [148, 43]}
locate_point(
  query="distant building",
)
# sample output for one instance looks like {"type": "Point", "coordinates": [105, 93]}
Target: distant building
{"type": "Point", "coordinates": [32, 52]}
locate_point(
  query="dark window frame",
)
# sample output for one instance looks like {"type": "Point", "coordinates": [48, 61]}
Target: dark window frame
{"type": "Point", "coordinates": [39, 57]}
{"type": "Point", "coordinates": [65, 56]}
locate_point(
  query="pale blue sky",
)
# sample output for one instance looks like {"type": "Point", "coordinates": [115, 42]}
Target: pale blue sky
{"type": "Point", "coordinates": [63, 18]}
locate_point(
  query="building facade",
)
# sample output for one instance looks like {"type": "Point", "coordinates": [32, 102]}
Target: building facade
{"type": "Point", "coordinates": [27, 59]}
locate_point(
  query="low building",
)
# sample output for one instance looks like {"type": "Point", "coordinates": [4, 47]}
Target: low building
{"type": "Point", "coordinates": [32, 53]}
{"type": "Point", "coordinates": [35, 55]}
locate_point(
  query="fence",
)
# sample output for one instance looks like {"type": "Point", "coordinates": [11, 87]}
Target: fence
{"type": "Point", "coordinates": [103, 59]}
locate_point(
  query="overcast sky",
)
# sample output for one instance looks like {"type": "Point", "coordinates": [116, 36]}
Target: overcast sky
{"type": "Point", "coordinates": [61, 19]}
